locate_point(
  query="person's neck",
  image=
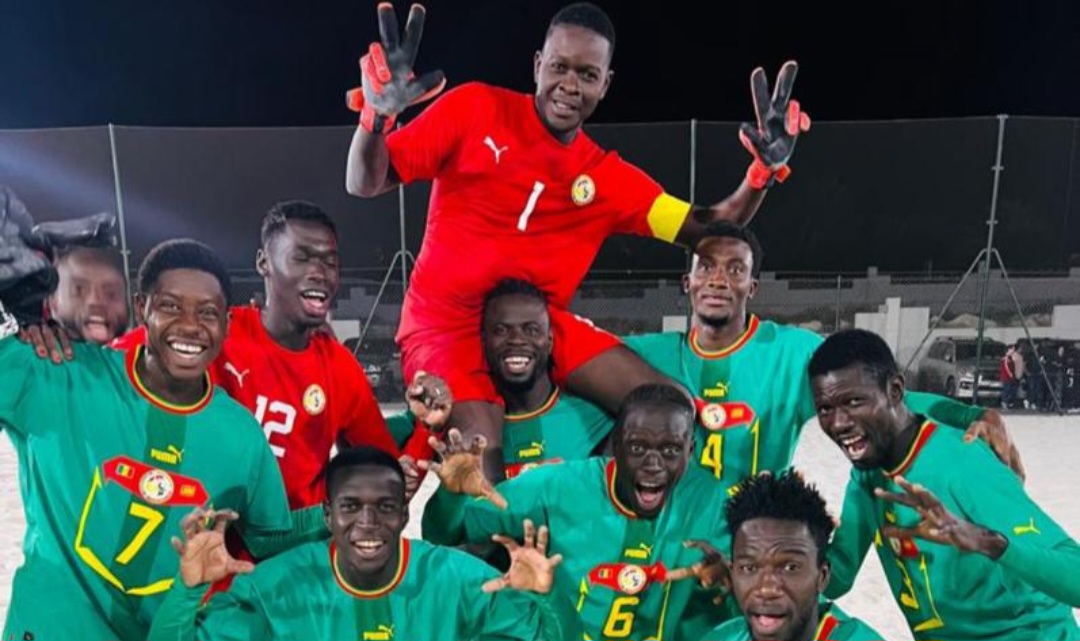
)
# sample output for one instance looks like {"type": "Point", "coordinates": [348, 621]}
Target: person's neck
{"type": "Point", "coordinates": [288, 334]}
{"type": "Point", "coordinates": [158, 382]}
{"type": "Point", "coordinates": [808, 631]}
{"type": "Point", "coordinates": [371, 582]}
{"type": "Point", "coordinates": [902, 441]}
{"type": "Point", "coordinates": [713, 338]}
{"type": "Point", "coordinates": [521, 400]}
{"type": "Point", "coordinates": [564, 137]}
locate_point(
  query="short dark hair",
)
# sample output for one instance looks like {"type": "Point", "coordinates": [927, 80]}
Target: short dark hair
{"type": "Point", "coordinates": [274, 221]}
{"type": "Point", "coordinates": [347, 460]}
{"type": "Point", "coordinates": [724, 229]}
{"type": "Point", "coordinates": [655, 395]}
{"type": "Point", "coordinates": [107, 256]}
{"type": "Point", "coordinates": [513, 287]}
{"type": "Point", "coordinates": [785, 497]}
{"type": "Point", "coordinates": [855, 347]}
{"type": "Point", "coordinates": [588, 16]}
{"type": "Point", "coordinates": [182, 253]}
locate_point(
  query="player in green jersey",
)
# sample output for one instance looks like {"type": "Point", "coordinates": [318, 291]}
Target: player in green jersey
{"type": "Point", "coordinates": [967, 552]}
{"type": "Point", "coordinates": [618, 522]}
{"type": "Point", "coordinates": [114, 449]}
{"type": "Point", "coordinates": [750, 374]}
{"type": "Point", "coordinates": [367, 583]}
{"type": "Point", "coordinates": [542, 424]}
{"type": "Point", "coordinates": [779, 569]}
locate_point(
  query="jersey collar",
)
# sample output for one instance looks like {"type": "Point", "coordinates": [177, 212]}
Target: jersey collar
{"type": "Point", "coordinates": [132, 357]}
{"type": "Point", "coordinates": [609, 475]}
{"type": "Point", "coordinates": [543, 409]}
{"type": "Point", "coordinates": [744, 338]}
{"type": "Point", "coordinates": [925, 431]}
{"type": "Point", "coordinates": [403, 562]}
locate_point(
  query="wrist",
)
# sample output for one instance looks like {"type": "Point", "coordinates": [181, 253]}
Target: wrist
{"type": "Point", "coordinates": [760, 176]}
{"type": "Point", "coordinates": [992, 544]}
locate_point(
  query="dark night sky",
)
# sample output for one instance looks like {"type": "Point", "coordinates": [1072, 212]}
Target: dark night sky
{"type": "Point", "coordinates": [268, 62]}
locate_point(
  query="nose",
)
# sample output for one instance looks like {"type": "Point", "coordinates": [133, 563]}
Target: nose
{"type": "Point", "coordinates": [367, 517]}
{"type": "Point", "coordinates": [768, 585]}
{"type": "Point", "coordinates": [653, 461]}
{"type": "Point", "coordinates": [570, 83]}
{"type": "Point", "coordinates": [717, 277]}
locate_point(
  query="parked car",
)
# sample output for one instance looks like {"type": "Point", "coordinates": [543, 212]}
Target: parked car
{"type": "Point", "coordinates": [948, 368]}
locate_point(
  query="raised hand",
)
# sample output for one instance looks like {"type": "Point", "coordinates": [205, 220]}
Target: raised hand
{"type": "Point", "coordinates": [462, 469]}
{"type": "Point", "coordinates": [203, 556]}
{"type": "Point", "coordinates": [430, 400]}
{"type": "Point", "coordinates": [386, 70]}
{"type": "Point", "coordinates": [938, 524]}
{"type": "Point", "coordinates": [713, 570]}
{"type": "Point", "coordinates": [780, 120]}
{"type": "Point", "coordinates": [530, 568]}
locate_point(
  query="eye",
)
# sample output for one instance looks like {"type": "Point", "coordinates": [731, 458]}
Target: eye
{"type": "Point", "coordinates": [746, 568]}
{"type": "Point", "coordinates": [671, 451]}
{"type": "Point", "coordinates": [792, 566]}
{"type": "Point", "coordinates": [637, 449]}
{"type": "Point", "coordinates": [168, 306]}
{"type": "Point", "coordinates": [532, 330]}
{"type": "Point", "coordinates": [388, 507]}
{"type": "Point", "coordinates": [209, 313]}
{"type": "Point", "coordinates": [500, 330]}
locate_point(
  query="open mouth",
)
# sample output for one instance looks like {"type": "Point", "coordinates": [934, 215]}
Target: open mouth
{"type": "Point", "coordinates": [186, 350]}
{"type": "Point", "coordinates": [97, 329]}
{"type": "Point", "coordinates": [517, 363]}
{"type": "Point", "coordinates": [854, 446]}
{"type": "Point", "coordinates": [316, 302]}
{"type": "Point", "coordinates": [766, 624]}
{"type": "Point", "coordinates": [369, 548]}
{"type": "Point", "coordinates": [650, 496]}
{"type": "Point", "coordinates": [563, 108]}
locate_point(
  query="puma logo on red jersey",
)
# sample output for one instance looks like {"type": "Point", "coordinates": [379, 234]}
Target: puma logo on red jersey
{"type": "Point", "coordinates": [497, 150]}
{"type": "Point", "coordinates": [230, 368]}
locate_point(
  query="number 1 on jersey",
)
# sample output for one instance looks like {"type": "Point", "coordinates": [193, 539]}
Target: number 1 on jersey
{"type": "Point", "coordinates": [523, 219]}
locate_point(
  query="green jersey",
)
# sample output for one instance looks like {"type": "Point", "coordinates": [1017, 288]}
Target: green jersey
{"type": "Point", "coordinates": [755, 395]}
{"type": "Point", "coordinates": [614, 563]}
{"type": "Point", "coordinates": [564, 428]}
{"type": "Point", "coordinates": [106, 471]}
{"type": "Point", "coordinates": [833, 625]}
{"type": "Point", "coordinates": [300, 594]}
{"type": "Point", "coordinates": [945, 593]}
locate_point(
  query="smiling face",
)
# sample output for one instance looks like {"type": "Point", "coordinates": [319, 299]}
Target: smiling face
{"type": "Point", "coordinates": [301, 273]}
{"type": "Point", "coordinates": [185, 315]}
{"type": "Point", "coordinates": [572, 75]}
{"type": "Point", "coordinates": [517, 339]}
{"type": "Point", "coordinates": [721, 280]}
{"type": "Point", "coordinates": [90, 298]}
{"type": "Point", "coordinates": [858, 415]}
{"type": "Point", "coordinates": [366, 515]}
{"type": "Point", "coordinates": [651, 450]}
{"type": "Point", "coordinates": [776, 579]}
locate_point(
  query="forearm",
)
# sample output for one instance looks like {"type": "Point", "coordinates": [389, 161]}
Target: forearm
{"type": "Point", "coordinates": [308, 524]}
{"type": "Point", "coordinates": [1054, 571]}
{"type": "Point", "coordinates": [738, 209]}
{"type": "Point", "coordinates": [444, 518]}
{"type": "Point", "coordinates": [175, 619]}
{"type": "Point", "coordinates": [367, 171]}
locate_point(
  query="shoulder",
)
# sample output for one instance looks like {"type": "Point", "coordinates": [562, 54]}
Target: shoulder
{"type": "Point", "coordinates": [788, 335]}
{"type": "Point", "coordinates": [479, 95]}
{"type": "Point", "coordinates": [448, 564]}
{"type": "Point", "coordinates": [224, 410]}
{"type": "Point", "coordinates": [657, 340]}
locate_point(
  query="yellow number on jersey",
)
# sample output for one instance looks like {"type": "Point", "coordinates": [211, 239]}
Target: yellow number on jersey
{"type": "Point", "coordinates": [712, 455]}
{"type": "Point", "coordinates": [909, 599]}
{"type": "Point", "coordinates": [620, 622]}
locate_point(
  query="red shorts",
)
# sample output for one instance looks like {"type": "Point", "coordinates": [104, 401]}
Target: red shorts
{"type": "Point", "coordinates": [459, 357]}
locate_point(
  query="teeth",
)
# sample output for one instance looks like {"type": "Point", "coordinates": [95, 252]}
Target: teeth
{"type": "Point", "coordinates": [369, 545]}
{"type": "Point", "coordinates": [851, 440]}
{"type": "Point", "coordinates": [186, 348]}
{"type": "Point", "coordinates": [95, 319]}
{"type": "Point", "coordinates": [315, 295]}
{"type": "Point", "coordinates": [517, 361]}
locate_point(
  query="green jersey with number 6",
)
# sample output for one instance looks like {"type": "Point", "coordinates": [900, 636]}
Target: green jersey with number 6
{"type": "Point", "coordinates": [106, 472]}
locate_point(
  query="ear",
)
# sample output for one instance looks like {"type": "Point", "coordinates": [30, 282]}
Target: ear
{"type": "Point", "coordinates": [895, 390]}
{"type": "Point", "coordinates": [262, 262]}
{"type": "Point", "coordinates": [537, 57]}
{"type": "Point", "coordinates": [824, 575]}
{"type": "Point", "coordinates": [607, 83]}
{"type": "Point", "coordinates": [142, 310]}
{"type": "Point", "coordinates": [753, 287]}
{"type": "Point", "coordinates": [686, 283]}
{"type": "Point", "coordinates": [326, 513]}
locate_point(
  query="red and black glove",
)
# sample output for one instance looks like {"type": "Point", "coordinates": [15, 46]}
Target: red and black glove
{"type": "Point", "coordinates": [780, 120]}
{"type": "Point", "coordinates": [386, 71]}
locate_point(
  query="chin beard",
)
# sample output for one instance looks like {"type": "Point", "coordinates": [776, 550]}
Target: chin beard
{"type": "Point", "coordinates": [518, 387]}
{"type": "Point", "coordinates": [716, 322]}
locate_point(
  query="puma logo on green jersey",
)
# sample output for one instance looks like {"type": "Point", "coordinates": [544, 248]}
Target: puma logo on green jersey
{"type": "Point", "coordinates": [642, 551]}
{"type": "Point", "coordinates": [380, 633]}
{"type": "Point", "coordinates": [1026, 529]}
{"type": "Point", "coordinates": [533, 450]}
{"type": "Point", "coordinates": [170, 455]}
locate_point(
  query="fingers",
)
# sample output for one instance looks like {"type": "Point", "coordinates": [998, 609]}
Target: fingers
{"type": "Point", "coordinates": [478, 445]}
{"type": "Point", "coordinates": [555, 560]}
{"type": "Point", "coordinates": [542, 537]}
{"type": "Point", "coordinates": [65, 342]}
{"type": "Point", "coordinates": [505, 541]}
{"type": "Point", "coordinates": [785, 82]}
{"type": "Point", "coordinates": [1016, 464]}
{"type": "Point", "coordinates": [239, 567]}
{"type": "Point", "coordinates": [493, 495]}
{"type": "Point", "coordinates": [976, 430]}
{"type": "Point", "coordinates": [751, 138]}
{"type": "Point", "coordinates": [894, 532]}
{"type": "Point", "coordinates": [388, 25]}
{"type": "Point", "coordinates": [437, 445]}
{"type": "Point", "coordinates": [52, 344]}
{"type": "Point", "coordinates": [530, 533]}
{"type": "Point", "coordinates": [177, 545]}
{"type": "Point", "coordinates": [892, 497]}
{"type": "Point", "coordinates": [759, 88]}
{"type": "Point", "coordinates": [191, 524]}
{"type": "Point", "coordinates": [414, 30]}
{"type": "Point", "coordinates": [428, 86]}
{"type": "Point", "coordinates": [795, 120]}
{"type": "Point", "coordinates": [377, 57]}
{"type": "Point", "coordinates": [494, 585]}
{"type": "Point", "coordinates": [678, 574]}
{"type": "Point", "coordinates": [454, 439]}
{"type": "Point", "coordinates": [32, 335]}
{"type": "Point", "coordinates": [222, 518]}
{"type": "Point", "coordinates": [704, 546]}
{"type": "Point", "coordinates": [429, 466]}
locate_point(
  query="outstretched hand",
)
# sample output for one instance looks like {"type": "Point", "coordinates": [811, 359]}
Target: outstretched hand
{"type": "Point", "coordinates": [712, 571]}
{"type": "Point", "coordinates": [388, 82]}
{"type": "Point", "coordinates": [780, 120]}
{"type": "Point", "coordinates": [430, 400]}
{"type": "Point", "coordinates": [462, 468]}
{"type": "Point", "coordinates": [203, 556]}
{"type": "Point", "coordinates": [530, 568]}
